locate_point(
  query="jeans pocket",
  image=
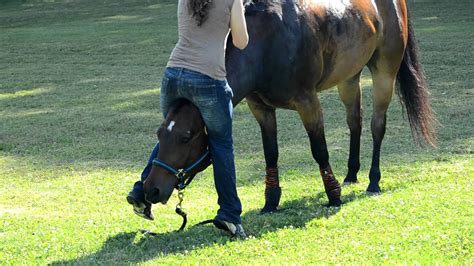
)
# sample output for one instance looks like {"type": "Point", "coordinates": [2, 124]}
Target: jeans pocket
{"type": "Point", "coordinates": [171, 72]}
{"type": "Point", "coordinates": [205, 95]}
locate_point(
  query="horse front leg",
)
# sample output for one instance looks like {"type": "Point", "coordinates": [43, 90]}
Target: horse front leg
{"type": "Point", "coordinates": [312, 117]}
{"type": "Point", "coordinates": [266, 118]}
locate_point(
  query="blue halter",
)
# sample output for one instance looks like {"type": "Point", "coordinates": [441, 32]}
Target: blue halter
{"type": "Point", "coordinates": [183, 176]}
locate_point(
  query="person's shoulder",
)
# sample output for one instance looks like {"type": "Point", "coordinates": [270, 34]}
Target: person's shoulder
{"type": "Point", "coordinates": [224, 4]}
{"type": "Point", "coordinates": [228, 3]}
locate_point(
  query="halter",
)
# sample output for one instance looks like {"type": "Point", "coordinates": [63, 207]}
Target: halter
{"type": "Point", "coordinates": [184, 176]}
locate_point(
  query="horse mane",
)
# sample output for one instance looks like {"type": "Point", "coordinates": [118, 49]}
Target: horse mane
{"type": "Point", "coordinates": [185, 106]}
{"type": "Point", "coordinates": [253, 7]}
{"type": "Point", "coordinates": [177, 105]}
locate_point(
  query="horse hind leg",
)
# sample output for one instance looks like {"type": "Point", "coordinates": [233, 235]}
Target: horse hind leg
{"type": "Point", "coordinates": [266, 118]}
{"type": "Point", "coordinates": [350, 94]}
{"type": "Point", "coordinates": [383, 87]}
{"type": "Point", "coordinates": [312, 117]}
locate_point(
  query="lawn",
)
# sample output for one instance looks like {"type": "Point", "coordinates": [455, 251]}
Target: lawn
{"type": "Point", "coordinates": [79, 105]}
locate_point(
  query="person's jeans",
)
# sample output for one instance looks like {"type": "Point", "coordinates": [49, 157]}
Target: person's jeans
{"type": "Point", "coordinates": [213, 99]}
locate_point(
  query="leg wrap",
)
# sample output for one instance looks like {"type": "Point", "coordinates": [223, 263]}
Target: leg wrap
{"type": "Point", "coordinates": [272, 190]}
{"type": "Point", "coordinates": [332, 187]}
{"type": "Point", "coordinates": [271, 179]}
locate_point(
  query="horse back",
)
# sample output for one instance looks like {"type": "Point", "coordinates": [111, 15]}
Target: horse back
{"type": "Point", "coordinates": [317, 44]}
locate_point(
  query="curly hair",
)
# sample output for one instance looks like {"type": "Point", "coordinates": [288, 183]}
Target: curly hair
{"type": "Point", "coordinates": [199, 9]}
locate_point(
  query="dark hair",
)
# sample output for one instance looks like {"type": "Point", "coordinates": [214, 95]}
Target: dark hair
{"type": "Point", "coordinates": [199, 9]}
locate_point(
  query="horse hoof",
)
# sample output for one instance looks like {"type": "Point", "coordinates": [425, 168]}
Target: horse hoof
{"type": "Point", "coordinates": [349, 183]}
{"type": "Point", "coordinates": [335, 203]}
{"type": "Point", "coordinates": [272, 199]}
{"type": "Point", "coordinates": [373, 190]}
{"type": "Point", "coordinates": [350, 180]}
{"type": "Point", "coordinates": [373, 194]}
{"type": "Point", "coordinates": [268, 210]}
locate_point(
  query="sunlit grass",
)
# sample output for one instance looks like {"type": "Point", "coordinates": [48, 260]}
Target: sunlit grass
{"type": "Point", "coordinates": [23, 93]}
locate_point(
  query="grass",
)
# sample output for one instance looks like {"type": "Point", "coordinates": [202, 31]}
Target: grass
{"type": "Point", "coordinates": [79, 90]}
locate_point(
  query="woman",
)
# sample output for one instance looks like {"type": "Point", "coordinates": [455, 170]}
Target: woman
{"type": "Point", "coordinates": [196, 71]}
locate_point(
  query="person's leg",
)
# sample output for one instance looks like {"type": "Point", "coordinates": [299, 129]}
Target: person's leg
{"type": "Point", "coordinates": [136, 196]}
{"type": "Point", "coordinates": [213, 98]}
{"type": "Point", "coordinates": [138, 186]}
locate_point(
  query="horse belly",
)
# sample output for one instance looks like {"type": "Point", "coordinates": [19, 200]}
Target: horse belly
{"type": "Point", "coordinates": [278, 97]}
{"type": "Point", "coordinates": [348, 62]}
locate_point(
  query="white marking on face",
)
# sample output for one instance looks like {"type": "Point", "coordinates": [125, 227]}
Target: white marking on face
{"type": "Point", "coordinates": [336, 8]}
{"type": "Point", "coordinates": [171, 125]}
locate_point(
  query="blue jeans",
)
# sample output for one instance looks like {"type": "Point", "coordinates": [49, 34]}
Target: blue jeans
{"type": "Point", "coordinates": [213, 99]}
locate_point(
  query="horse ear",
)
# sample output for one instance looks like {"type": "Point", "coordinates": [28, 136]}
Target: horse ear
{"type": "Point", "coordinates": [255, 7]}
{"type": "Point", "coordinates": [160, 129]}
{"type": "Point", "coordinates": [251, 2]}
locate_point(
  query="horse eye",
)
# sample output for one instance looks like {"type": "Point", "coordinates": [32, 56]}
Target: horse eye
{"type": "Point", "coordinates": [187, 137]}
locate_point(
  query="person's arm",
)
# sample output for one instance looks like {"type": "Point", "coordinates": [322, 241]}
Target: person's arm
{"type": "Point", "coordinates": [238, 26]}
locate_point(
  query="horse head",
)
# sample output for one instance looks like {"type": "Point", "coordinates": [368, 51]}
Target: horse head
{"type": "Point", "coordinates": [183, 142]}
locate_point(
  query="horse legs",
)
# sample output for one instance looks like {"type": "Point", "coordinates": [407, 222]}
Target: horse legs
{"type": "Point", "coordinates": [383, 86]}
{"type": "Point", "coordinates": [311, 114]}
{"type": "Point", "coordinates": [266, 118]}
{"type": "Point", "coordinates": [349, 92]}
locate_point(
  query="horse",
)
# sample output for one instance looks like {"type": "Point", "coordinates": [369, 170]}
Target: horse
{"type": "Point", "coordinates": [299, 48]}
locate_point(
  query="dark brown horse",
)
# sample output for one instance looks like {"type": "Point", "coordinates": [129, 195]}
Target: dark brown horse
{"type": "Point", "coordinates": [299, 48]}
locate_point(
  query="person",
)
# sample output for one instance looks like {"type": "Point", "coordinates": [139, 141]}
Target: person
{"type": "Point", "coordinates": [196, 71]}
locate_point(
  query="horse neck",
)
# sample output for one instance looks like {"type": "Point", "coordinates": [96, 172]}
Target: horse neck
{"type": "Point", "coordinates": [246, 72]}
{"type": "Point", "coordinates": [240, 89]}
{"type": "Point", "coordinates": [242, 71]}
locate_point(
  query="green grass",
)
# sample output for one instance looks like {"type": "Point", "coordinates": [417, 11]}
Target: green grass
{"type": "Point", "coordinates": [79, 105]}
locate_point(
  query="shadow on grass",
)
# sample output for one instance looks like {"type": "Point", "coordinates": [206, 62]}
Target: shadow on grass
{"type": "Point", "coordinates": [134, 247]}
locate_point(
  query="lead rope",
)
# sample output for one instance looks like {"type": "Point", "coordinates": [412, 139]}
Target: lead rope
{"type": "Point", "coordinates": [180, 211]}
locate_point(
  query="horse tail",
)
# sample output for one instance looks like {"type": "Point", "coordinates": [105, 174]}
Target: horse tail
{"type": "Point", "coordinates": [412, 90]}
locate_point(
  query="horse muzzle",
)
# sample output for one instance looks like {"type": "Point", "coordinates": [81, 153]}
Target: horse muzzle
{"type": "Point", "coordinates": [156, 195]}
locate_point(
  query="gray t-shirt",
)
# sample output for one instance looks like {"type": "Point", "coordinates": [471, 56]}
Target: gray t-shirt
{"type": "Point", "coordinates": [202, 48]}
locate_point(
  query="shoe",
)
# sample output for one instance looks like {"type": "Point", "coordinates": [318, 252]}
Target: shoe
{"type": "Point", "coordinates": [140, 208]}
{"type": "Point", "coordinates": [235, 230]}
